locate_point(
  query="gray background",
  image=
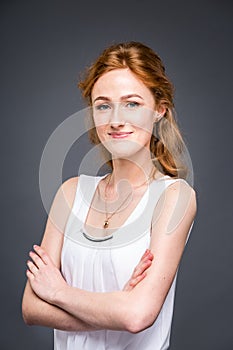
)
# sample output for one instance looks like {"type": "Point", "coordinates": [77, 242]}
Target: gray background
{"type": "Point", "coordinates": [44, 47]}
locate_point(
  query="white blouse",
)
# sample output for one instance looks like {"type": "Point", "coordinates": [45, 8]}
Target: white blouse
{"type": "Point", "coordinates": [107, 265]}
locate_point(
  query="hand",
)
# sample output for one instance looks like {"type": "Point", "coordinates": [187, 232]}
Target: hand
{"type": "Point", "coordinates": [139, 272]}
{"type": "Point", "coordinates": [44, 277]}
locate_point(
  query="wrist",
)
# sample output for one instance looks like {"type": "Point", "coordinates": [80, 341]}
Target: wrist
{"type": "Point", "coordinates": [60, 295]}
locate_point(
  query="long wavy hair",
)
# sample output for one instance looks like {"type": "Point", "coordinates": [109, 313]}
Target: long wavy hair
{"type": "Point", "coordinates": [166, 144]}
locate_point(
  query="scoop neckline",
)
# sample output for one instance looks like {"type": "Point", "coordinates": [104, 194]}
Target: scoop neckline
{"type": "Point", "coordinates": [107, 237]}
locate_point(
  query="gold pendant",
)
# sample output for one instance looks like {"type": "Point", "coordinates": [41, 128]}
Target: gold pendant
{"type": "Point", "coordinates": [106, 224]}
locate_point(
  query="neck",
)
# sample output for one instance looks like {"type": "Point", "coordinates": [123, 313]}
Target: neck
{"type": "Point", "coordinates": [134, 173]}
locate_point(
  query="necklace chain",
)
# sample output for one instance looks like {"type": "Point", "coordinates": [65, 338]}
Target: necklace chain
{"type": "Point", "coordinates": [109, 216]}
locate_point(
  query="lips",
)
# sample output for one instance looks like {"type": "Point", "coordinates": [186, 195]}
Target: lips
{"type": "Point", "coordinates": [120, 135]}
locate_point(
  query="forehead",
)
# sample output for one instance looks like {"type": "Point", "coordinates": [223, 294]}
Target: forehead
{"type": "Point", "coordinates": [119, 82]}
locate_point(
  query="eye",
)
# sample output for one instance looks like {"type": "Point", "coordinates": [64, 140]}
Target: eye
{"type": "Point", "coordinates": [102, 107]}
{"type": "Point", "coordinates": [132, 104]}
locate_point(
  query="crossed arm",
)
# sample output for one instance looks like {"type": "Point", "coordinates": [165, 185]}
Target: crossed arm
{"type": "Point", "coordinates": [37, 311]}
{"type": "Point", "coordinates": [61, 306]}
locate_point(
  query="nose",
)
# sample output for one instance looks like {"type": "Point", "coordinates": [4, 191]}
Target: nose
{"type": "Point", "coordinates": [117, 117]}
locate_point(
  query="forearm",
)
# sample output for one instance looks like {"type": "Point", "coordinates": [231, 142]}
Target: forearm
{"type": "Point", "coordinates": [38, 312]}
{"type": "Point", "coordinates": [113, 310]}
{"type": "Point", "coordinates": [119, 310]}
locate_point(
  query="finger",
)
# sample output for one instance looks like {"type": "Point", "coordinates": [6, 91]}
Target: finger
{"type": "Point", "coordinates": [150, 255]}
{"type": "Point", "coordinates": [42, 254]}
{"type": "Point", "coordinates": [147, 256]}
{"type": "Point", "coordinates": [147, 251]}
{"type": "Point", "coordinates": [29, 274]}
{"type": "Point", "coordinates": [32, 267]}
{"type": "Point", "coordinates": [36, 259]}
{"type": "Point", "coordinates": [143, 262]}
{"type": "Point", "coordinates": [141, 268]}
{"type": "Point", "coordinates": [135, 281]}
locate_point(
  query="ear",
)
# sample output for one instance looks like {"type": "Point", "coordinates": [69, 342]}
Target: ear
{"type": "Point", "coordinates": [159, 113]}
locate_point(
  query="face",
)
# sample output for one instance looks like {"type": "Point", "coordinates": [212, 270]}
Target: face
{"type": "Point", "coordinates": [123, 112]}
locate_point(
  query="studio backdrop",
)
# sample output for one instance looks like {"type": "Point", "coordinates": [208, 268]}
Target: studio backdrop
{"type": "Point", "coordinates": [45, 45]}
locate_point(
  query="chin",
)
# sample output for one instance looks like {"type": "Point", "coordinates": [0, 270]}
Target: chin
{"type": "Point", "coordinates": [126, 150]}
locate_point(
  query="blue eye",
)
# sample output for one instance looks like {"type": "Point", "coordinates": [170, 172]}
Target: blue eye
{"type": "Point", "coordinates": [102, 107]}
{"type": "Point", "coordinates": [132, 104]}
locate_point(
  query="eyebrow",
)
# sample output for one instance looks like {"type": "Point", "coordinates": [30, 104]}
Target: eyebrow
{"type": "Point", "coordinates": [125, 97]}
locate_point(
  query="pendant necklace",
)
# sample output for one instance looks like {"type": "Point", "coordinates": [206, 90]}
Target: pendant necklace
{"type": "Point", "coordinates": [109, 216]}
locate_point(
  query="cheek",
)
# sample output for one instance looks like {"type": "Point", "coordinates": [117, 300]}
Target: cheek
{"type": "Point", "coordinates": [145, 122]}
{"type": "Point", "coordinates": [98, 124]}
{"type": "Point", "coordinates": [100, 121]}
{"type": "Point", "coordinates": [100, 130]}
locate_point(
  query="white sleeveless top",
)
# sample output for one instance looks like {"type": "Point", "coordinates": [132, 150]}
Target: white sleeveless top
{"type": "Point", "coordinates": [107, 266]}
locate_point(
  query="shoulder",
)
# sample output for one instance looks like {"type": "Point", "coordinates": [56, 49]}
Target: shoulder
{"type": "Point", "coordinates": [70, 186]}
{"type": "Point", "coordinates": [68, 190]}
{"type": "Point", "coordinates": [179, 185]}
{"type": "Point", "coordinates": [70, 183]}
{"type": "Point", "coordinates": [180, 191]}
{"type": "Point", "coordinates": [177, 204]}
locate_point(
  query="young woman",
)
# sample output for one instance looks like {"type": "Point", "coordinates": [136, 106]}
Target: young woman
{"type": "Point", "coordinates": [104, 275]}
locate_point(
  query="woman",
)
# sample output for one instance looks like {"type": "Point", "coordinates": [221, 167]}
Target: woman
{"type": "Point", "coordinates": [143, 205]}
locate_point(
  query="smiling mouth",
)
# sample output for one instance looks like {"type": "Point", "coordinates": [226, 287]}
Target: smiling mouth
{"type": "Point", "coordinates": [120, 135]}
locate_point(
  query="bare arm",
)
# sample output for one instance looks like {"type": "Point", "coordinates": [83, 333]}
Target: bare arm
{"type": "Point", "coordinates": [138, 308]}
{"type": "Point", "coordinates": [37, 311]}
